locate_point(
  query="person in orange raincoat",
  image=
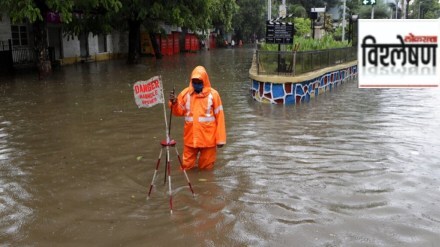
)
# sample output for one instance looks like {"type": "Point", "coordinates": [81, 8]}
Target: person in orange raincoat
{"type": "Point", "coordinates": [204, 129]}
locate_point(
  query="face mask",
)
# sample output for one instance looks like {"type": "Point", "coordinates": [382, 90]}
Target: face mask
{"type": "Point", "coordinates": [198, 87]}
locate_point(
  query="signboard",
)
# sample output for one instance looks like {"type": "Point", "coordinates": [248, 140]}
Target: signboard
{"type": "Point", "coordinates": [368, 2]}
{"type": "Point", "coordinates": [318, 10]}
{"type": "Point", "coordinates": [279, 32]}
{"type": "Point", "coordinates": [148, 93]}
{"type": "Point", "coordinates": [402, 53]}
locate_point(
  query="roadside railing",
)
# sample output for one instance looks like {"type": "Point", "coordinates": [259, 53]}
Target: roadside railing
{"type": "Point", "coordinates": [5, 45]}
{"type": "Point", "coordinates": [21, 56]}
{"type": "Point", "coordinates": [24, 55]}
{"type": "Point", "coordinates": [291, 63]}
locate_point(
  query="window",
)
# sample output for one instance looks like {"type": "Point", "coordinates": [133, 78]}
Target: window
{"type": "Point", "coordinates": [19, 35]}
{"type": "Point", "coordinates": [102, 43]}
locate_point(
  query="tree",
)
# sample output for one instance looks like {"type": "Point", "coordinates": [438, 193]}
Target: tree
{"type": "Point", "coordinates": [91, 17]}
{"type": "Point", "coordinates": [425, 9]}
{"type": "Point", "coordinates": [222, 12]}
{"type": "Point", "coordinates": [102, 16]}
{"type": "Point", "coordinates": [35, 11]}
{"type": "Point", "coordinates": [352, 7]}
{"type": "Point", "coordinates": [302, 27]}
{"type": "Point", "coordinates": [381, 11]}
{"type": "Point", "coordinates": [250, 22]}
{"type": "Point", "coordinates": [195, 15]}
{"type": "Point", "coordinates": [298, 11]}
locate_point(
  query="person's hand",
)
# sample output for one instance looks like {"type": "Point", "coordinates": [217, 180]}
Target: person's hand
{"type": "Point", "coordinates": [172, 97]}
{"type": "Point", "coordinates": [220, 145]}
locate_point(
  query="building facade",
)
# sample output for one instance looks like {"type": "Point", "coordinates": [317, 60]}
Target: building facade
{"type": "Point", "coordinates": [18, 39]}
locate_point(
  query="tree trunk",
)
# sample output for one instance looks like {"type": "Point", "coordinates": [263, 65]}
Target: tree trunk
{"type": "Point", "coordinates": [156, 48]}
{"type": "Point", "coordinates": [40, 43]}
{"type": "Point", "coordinates": [133, 41]}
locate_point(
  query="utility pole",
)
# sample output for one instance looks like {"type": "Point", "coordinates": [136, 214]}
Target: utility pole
{"type": "Point", "coordinates": [269, 10]}
{"type": "Point", "coordinates": [404, 15]}
{"type": "Point", "coordinates": [372, 3]}
{"type": "Point", "coordinates": [343, 21]}
{"type": "Point", "coordinates": [406, 8]}
{"type": "Point", "coordinates": [282, 12]}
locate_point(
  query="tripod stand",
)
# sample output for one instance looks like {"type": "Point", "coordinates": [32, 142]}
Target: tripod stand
{"type": "Point", "coordinates": [167, 144]}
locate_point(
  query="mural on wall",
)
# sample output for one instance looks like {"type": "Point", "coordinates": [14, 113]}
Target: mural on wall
{"type": "Point", "coordinates": [296, 93]}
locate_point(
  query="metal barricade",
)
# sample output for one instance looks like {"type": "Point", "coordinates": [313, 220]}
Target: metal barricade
{"type": "Point", "coordinates": [291, 63]}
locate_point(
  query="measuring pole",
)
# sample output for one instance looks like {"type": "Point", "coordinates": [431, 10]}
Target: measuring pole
{"type": "Point", "coordinates": [165, 112]}
{"type": "Point", "coordinates": [168, 133]}
{"type": "Point", "coordinates": [167, 166]}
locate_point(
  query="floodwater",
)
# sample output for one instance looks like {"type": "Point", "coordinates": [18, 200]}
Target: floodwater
{"type": "Point", "coordinates": [351, 168]}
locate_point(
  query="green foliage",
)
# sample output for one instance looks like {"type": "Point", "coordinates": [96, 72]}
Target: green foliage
{"type": "Point", "coordinates": [328, 25]}
{"type": "Point", "coordinates": [308, 4]}
{"type": "Point", "coordinates": [305, 4]}
{"type": "Point", "coordinates": [352, 7]}
{"type": "Point", "coordinates": [326, 42]}
{"type": "Point", "coordinates": [250, 19]}
{"type": "Point", "coordinates": [298, 11]}
{"type": "Point", "coordinates": [337, 34]}
{"type": "Point", "coordinates": [424, 9]}
{"type": "Point", "coordinates": [381, 11]}
{"type": "Point", "coordinates": [221, 12]}
{"type": "Point", "coordinates": [192, 14]}
{"type": "Point", "coordinates": [34, 10]}
{"type": "Point", "coordinates": [93, 16]}
{"type": "Point", "coordinates": [302, 27]}
{"type": "Point", "coordinates": [101, 15]}
{"type": "Point", "coordinates": [308, 44]}
{"type": "Point", "coordinates": [20, 11]}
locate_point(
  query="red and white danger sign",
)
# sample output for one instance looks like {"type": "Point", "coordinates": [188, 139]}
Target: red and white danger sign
{"type": "Point", "coordinates": [148, 93]}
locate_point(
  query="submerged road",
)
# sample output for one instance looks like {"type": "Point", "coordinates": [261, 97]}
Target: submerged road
{"type": "Point", "coordinates": [351, 168]}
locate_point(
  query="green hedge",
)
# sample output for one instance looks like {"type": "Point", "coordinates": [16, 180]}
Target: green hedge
{"type": "Point", "coordinates": [308, 44]}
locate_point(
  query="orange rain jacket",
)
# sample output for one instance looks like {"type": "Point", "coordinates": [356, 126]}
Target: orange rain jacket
{"type": "Point", "coordinates": [204, 116]}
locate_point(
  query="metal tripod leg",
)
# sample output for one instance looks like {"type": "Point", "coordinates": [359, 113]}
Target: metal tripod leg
{"type": "Point", "coordinates": [167, 145]}
{"type": "Point", "coordinates": [169, 179]}
{"type": "Point", "coordinates": [155, 173]}
{"type": "Point", "coordinates": [184, 171]}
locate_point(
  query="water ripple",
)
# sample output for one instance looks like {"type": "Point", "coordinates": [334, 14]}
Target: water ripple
{"type": "Point", "coordinates": [354, 167]}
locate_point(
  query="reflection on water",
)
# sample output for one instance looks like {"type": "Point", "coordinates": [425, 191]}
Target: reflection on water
{"type": "Point", "coordinates": [14, 212]}
{"type": "Point", "coordinates": [353, 167]}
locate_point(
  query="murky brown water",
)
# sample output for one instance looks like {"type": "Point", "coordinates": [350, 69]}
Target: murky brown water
{"type": "Point", "coordinates": [351, 168]}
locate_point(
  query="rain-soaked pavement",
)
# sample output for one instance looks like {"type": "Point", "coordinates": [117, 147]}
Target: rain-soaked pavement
{"type": "Point", "coordinates": [351, 168]}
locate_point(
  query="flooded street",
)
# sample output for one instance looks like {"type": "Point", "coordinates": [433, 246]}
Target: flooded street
{"type": "Point", "coordinates": [351, 168]}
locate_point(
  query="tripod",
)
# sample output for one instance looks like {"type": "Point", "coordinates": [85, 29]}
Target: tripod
{"type": "Point", "coordinates": [167, 144]}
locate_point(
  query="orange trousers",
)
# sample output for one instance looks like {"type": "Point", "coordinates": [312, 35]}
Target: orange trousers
{"type": "Point", "coordinates": [206, 159]}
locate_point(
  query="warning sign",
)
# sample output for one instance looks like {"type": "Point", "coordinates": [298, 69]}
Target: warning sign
{"type": "Point", "coordinates": [148, 93]}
